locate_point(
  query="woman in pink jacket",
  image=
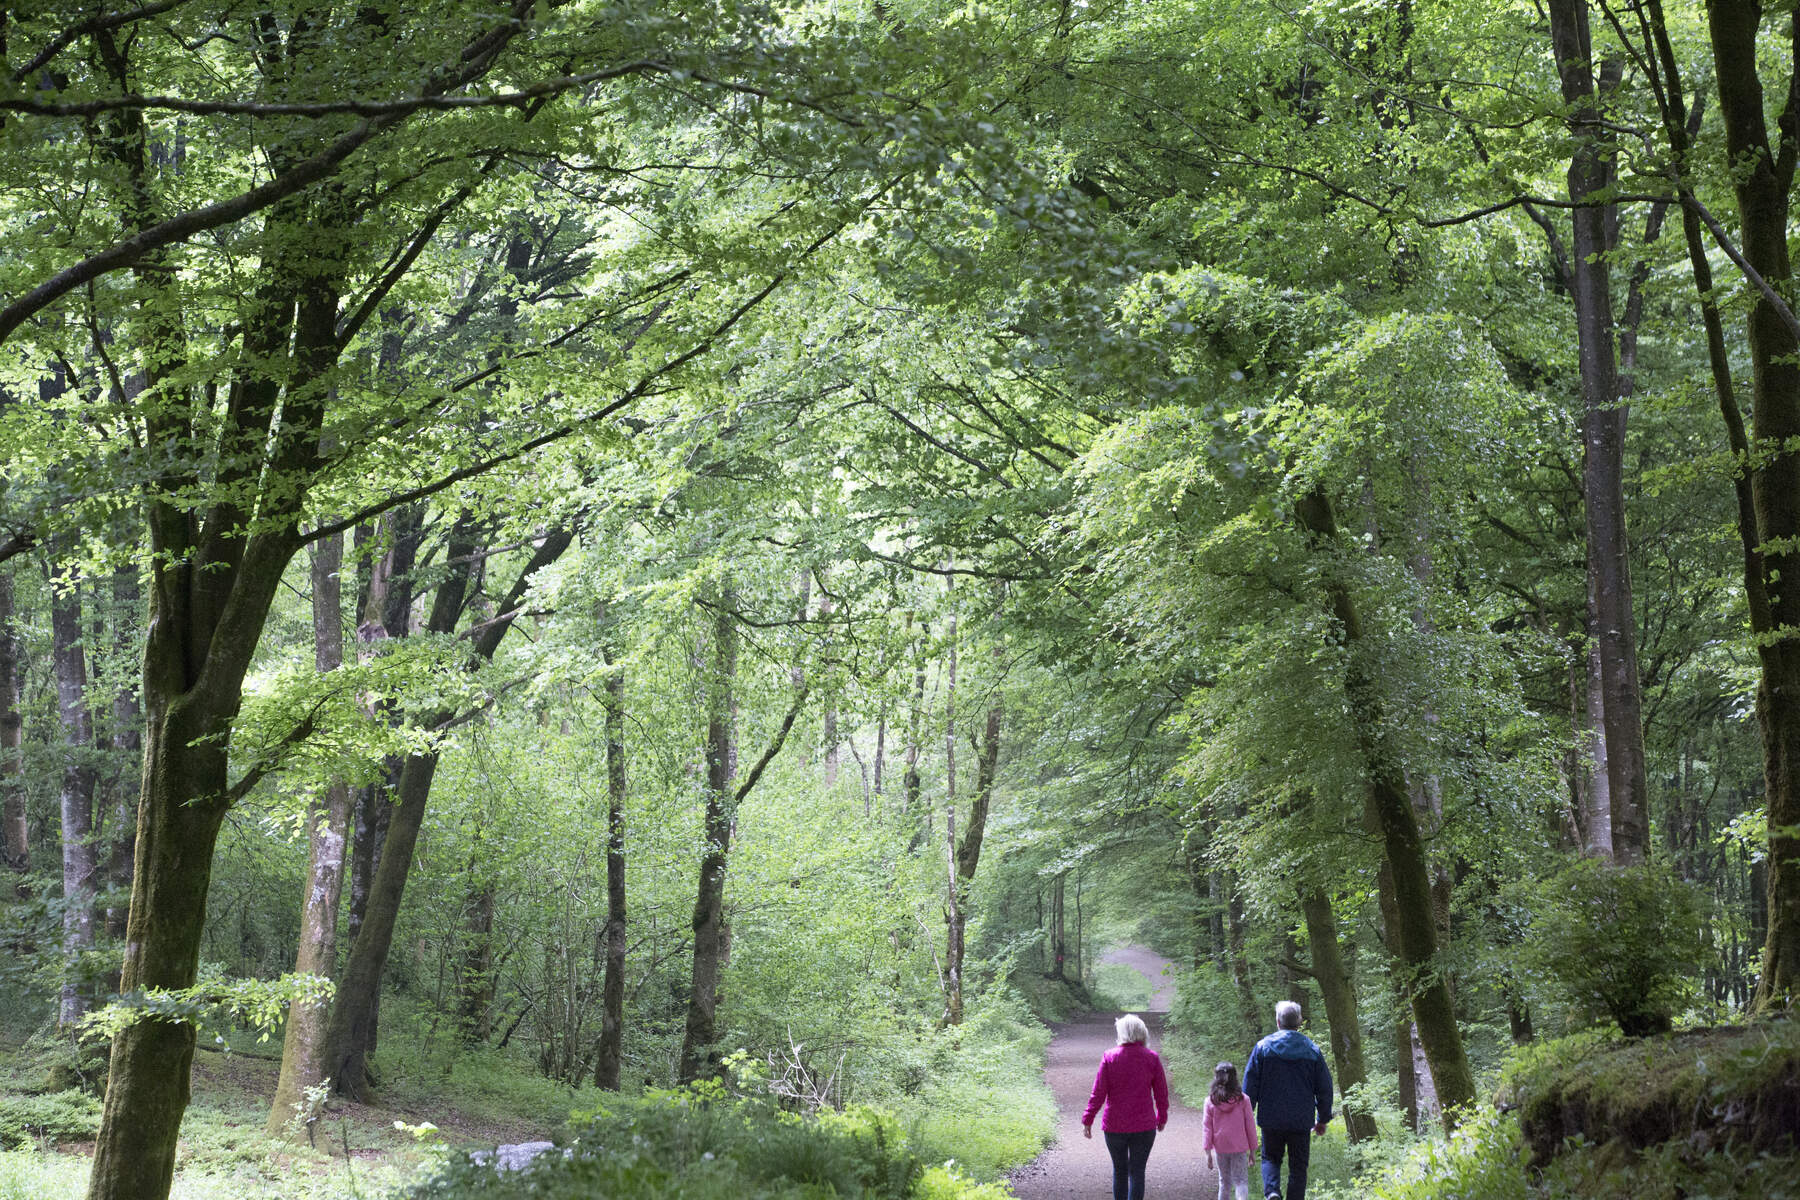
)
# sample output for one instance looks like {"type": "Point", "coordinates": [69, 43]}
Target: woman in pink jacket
{"type": "Point", "coordinates": [1230, 1130]}
{"type": "Point", "coordinates": [1132, 1086]}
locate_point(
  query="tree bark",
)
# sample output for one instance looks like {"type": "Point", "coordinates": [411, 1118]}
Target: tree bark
{"type": "Point", "coordinates": [80, 862]}
{"type": "Point", "coordinates": [15, 838]}
{"type": "Point", "coordinates": [608, 1056]}
{"type": "Point", "coordinates": [1388, 811]}
{"type": "Point", "coordinates": [1762, 176]}
{"type": "Point", "coordinates": [909, 782]}
{"type": "Point", "coordinates": [698, 1056]}
{"type": "Point", "coordinates": [128, 748]}
{"type": "Point", "coordinates": [353, 1012]}
{"type": "Point", "coordinates": [328, 827]}
{"type": "Point", "coordinates": [1249, 1011]}
{"type": "Point", "coordinates": [475, 973]}
{"type": "Point", "coordinates": [1591, 172]}
{"type": "Point", "coordinates": [1338, 988]}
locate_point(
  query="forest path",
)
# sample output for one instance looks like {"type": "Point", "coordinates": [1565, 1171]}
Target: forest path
{"type": "Point", "coordinates": [1075, 1167]}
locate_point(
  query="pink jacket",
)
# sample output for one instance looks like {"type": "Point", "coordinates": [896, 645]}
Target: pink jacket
{"type": "Point", "coordinates": [1230, 1128]}
{"type": "Point", "coordinates": [1130, 1079]}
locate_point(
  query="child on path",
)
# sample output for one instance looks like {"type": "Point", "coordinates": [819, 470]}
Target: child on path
{"type": "Point", "coordinates": [1231, 1131]}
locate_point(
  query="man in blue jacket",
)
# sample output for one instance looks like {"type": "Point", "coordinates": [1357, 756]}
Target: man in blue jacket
{"type": "Point", "coordinates": [1290, 1085]}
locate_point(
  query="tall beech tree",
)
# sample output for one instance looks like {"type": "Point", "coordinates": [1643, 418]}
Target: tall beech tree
{"type": "Point", "coordinates": [80, 857]}
{"type": "Point", "coordinates": [1762, 179]}
{"type": "Point", "coordinates": [328, 834]}
{"type": "Point", "coordinates": [350, 1035]}
{"type": "Point", "coordinates": [1619, 825]}
{"type": "Point", "coordinates": [15, 835]}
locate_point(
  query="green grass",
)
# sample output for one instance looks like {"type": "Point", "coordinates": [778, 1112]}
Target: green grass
{"type": "Point", "coordinates": [1117, 986]}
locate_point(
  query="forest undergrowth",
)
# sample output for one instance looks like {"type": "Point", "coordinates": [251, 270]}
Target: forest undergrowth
{"type": "Point", "coordinates": [978, 1110]}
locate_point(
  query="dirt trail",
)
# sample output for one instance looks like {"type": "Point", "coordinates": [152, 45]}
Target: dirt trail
{"type": "Point", "coordinates": [1077, 1167]}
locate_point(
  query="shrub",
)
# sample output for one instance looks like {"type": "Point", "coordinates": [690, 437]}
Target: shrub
{"type": "Point", "coordinates": [71, 1116]}
{"type": "Point", "coordinates": [1623, 943]}
{"type": "Point", "coordinates": [679, 1144]}
{"type": "Point", "coordinates": [1484, 1158]}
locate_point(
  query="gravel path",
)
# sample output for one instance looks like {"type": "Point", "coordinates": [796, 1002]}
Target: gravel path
{"type": "Point", "coordinates": [1075, 1167]}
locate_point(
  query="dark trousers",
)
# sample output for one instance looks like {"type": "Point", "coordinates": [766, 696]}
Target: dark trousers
{"type": "Point", "coordinates": [1297, 1146]}
{"type": "Point", "coordinates": [1130, 1151]}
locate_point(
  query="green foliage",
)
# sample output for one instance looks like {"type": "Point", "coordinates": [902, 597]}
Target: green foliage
{"type": "Point", "coordinates": [679, 1144]}
{"type": "Point", "coordinates": [212, 1004]}
{"type": "Point", "coordinates": [1623, 943]}
{"type": "Point", "coordinates": [1484, 1158]}
{"type": "Point", "coordinates": [70, 1116]}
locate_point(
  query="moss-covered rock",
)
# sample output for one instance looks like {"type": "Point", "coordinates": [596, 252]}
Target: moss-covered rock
{"type": "Point", "coordinates": [1697, 1092]}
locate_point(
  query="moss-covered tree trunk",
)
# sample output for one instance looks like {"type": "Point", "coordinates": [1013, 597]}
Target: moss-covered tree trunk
{"type": "Point", "coordinates": [698, 1056]}
{"type": "Point", "coordinates": [965, 857]}
{"type": "Point", "coordinates": [350, 1035]}
{"type": "Point", "coordinates": [1338, 988]}
{"type": "Point", "coordinates": [15, 843]}
{"type": "Point", "coordinates": [1237, 957]}
{"type": "Point", "coordinates": [609, 1054]}
{"type": "Point", "coordinates": [1388, 812]}
{"type": "Point", "coordinates": [1762, 179]}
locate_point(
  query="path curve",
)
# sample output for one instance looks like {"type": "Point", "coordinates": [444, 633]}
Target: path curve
{"type": "Point", "coordinates": [1076, 1167]}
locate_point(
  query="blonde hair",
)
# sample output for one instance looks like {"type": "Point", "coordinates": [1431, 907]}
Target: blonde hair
{"type": "Point", "coordinates": [1131, 1028]}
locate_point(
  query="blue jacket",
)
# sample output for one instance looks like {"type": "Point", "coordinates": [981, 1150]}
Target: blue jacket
{"type": "Point", "coordinates": [1285, 1079]}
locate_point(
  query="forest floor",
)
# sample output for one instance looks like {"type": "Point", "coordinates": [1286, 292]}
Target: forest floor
{"type": "Point", "coordinates": [357, 1149]}
{"type": "Point", "coordinates": [1075, 1166]}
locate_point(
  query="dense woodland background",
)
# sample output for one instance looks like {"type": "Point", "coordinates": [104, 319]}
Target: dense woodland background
{"type": "Point", "coordinates": [560, 549]}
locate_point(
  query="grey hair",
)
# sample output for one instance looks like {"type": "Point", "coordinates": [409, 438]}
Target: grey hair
{"type": "Point", "coordinates": [1287, 1015]}
{"type": "Point", "coordinates": [1131, 1028]}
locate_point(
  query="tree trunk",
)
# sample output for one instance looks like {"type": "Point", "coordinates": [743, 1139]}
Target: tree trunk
{"type": "Point", "coordinates": [15, 839]}
{"type": "Point", "coordinates": [1058, 930]}
{"type": "Point", "coordinates": [1388, 811]}
{"type": "Point", "coordinates": [955, 923]}
{"type": "Point", "coordinates": [698, 1056]}
{"type": "Point", "coordinates": [607, 1061]}
{"type": "Point", "coordinates": [909, 782]}
{"type": "Point", "coordinates": [327, 822]}
{"type": "Point", "coordinates": [355, 1009]}
{"type": "Point", "coordinates": [1597, 816]}
{"type": "Point", "coordinates": [1249, 1011]}
{"type": "Point", "coordinates": [1338, 988]}
{"type": "Point", "coordinates": [128, 747]}
{"type": "Point", "coordinates": [1591, 172]}
{"type": "Point", "coordinates": [475, 974]}
{"type": "Point", "coordinates": [80, 862]}
{"type": "Point", "coordinates": [1762, 177]}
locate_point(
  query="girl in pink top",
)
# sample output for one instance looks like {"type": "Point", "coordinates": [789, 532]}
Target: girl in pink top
{"type": "Point", "coordinates": [1230, 1130]}
{"type": "Point", "coordinates": [1132, 1086]}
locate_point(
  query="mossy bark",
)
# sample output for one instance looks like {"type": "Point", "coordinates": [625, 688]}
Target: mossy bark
{"type": "Point", "coordinates": [609, 1054]}
{"type": "Point", "coordinates": [1338, 987]}
{"type": "Point", "coordinates": [1388, 812]}
{"type": "Point", "coordinates": [698, 1057]}
{"type": "Point", "coordinates": [350, 1035]}
{"type": "Point", "coordinates": [1762, 183]}
{"type": "Point", "coordinates": [178, 824]}
{"type": "Point", "coordinates": [15, 844]}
